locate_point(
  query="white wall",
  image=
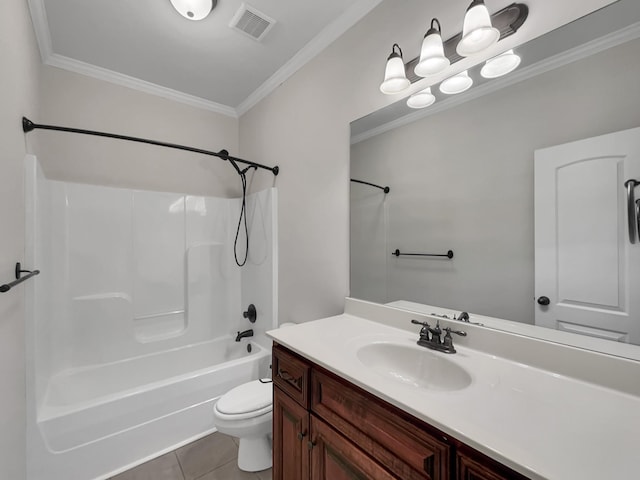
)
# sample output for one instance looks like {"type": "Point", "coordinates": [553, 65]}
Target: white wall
{"type": "Point", "coordinates": [18, 97]}
{"type": "Point", "coordinates": [463, 180]}
{"type": "Point", "coordinates": [73, 100]}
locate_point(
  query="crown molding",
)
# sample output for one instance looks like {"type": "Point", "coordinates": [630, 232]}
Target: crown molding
{"type": "Point", "coordinates": [593, 47]}
{"type": "Point", "coordinates": [43, 36]}
{"type": "Point", "coordinates": [321, 41]}
{"type": "Point", "coordinates": [327, 36]}
{"type": "Point", "coordinates": [110, 76]}
{"type": "Point", "coordinates": [41, 28]}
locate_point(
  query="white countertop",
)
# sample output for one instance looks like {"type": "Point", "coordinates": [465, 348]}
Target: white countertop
{"type": "Point", "coordinates": [541, 424]}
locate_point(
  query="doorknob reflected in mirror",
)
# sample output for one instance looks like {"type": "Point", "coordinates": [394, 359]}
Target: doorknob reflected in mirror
{"type": "Point", "coordinates": [544, 300]}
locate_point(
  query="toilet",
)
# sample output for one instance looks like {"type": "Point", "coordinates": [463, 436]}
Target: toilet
{"type": "Point", "coordinates": [246, 412]}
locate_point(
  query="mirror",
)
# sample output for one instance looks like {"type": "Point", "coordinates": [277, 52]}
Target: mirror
{"type": "Point", "coordinates": [461, 178]}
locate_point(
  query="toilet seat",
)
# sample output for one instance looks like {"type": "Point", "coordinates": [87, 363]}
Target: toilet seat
{"type": "Point", "coordinates": [249, 400]}
{"type": "Point", "coordinates": [242, 416]}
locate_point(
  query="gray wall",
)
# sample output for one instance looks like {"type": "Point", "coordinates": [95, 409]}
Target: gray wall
{"type": "Point", "coordinates": [304, 127]}
{"type": "Point", "coordinates": [18, 97]}
{"type": "Point", "coordinates": [74, 100]}
{"type": "Point", "coordinates": [463, 180]}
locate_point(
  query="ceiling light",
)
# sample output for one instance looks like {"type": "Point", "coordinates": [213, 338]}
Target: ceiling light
{"type": "Point", "coordinates": [421, 99]}
{"type": "Point", "coordinates": [498, 66]}
{"type": "Point", "coordinates": [395, 78]}
{"type": "Point", "coordinates": [477, 32]}
{"type": "Point", "coordinates": [432, 59]}
{"type": "Point", "coordinates": [194, 9]}
{"type": "Point", "coordinates": [457, 84]}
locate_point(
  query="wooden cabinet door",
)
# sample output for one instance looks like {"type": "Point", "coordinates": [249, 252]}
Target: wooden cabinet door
{"type": "Point", "coordinates": [290, 438]}
{"type": "Point", "coordinates": [470, 469]}
{"type": "Point", "coordinates": [407, 448]}
{"type": "Point", "coordinates": [333, 457]}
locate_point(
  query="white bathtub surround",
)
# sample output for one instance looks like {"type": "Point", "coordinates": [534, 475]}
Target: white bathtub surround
{"type": "Point", "coordinates": [546, 410]}
{"type": "Point", "coordinates": [131, 336]}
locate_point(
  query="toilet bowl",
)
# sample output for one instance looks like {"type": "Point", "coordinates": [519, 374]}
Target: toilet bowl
{"type": "Point", "coordinates": [246, 412]}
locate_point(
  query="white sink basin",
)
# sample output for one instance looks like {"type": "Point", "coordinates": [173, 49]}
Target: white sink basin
{"type": "Point", "coordinates": [414, 365]}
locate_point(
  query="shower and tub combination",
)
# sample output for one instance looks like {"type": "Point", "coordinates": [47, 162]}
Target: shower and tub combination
{"type": "Point", "coordinates": [132, 324]}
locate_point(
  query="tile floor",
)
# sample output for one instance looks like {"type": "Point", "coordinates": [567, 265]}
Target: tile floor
{"type": "Point", "coordinates": [211, 458]}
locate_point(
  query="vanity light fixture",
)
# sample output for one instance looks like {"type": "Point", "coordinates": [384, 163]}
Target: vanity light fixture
{"type": "Point", "coordinates": [480, 31]}
{"type": "Point", "coordinates": [457, 84]}
{"type": "Point", "coordinates": [477, 32]}
{"type": "Point", "coordinates": [194, 9]}
{"type": "Point", "coordinates": [395, 77]}
{"type": "Point", "coordinates": [421, 99]}
{"type": "Point", "coordinates": [432, 59]}
{"type": "Point", "coordinates": [498, 66]}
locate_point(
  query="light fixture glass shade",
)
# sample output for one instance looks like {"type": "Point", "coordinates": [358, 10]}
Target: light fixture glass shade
{"type": "Point", "coordinates": [457, 84]}
{"type": "Point", "coordinates": [498, 66]}
{"type": "Point", "coordinates": [193, 9]}
{"type": "Point", "coordinates": [477, 32]}
{"type": "Point", "coordinates": [395, 78]}
{"type": "Point", "coordinates": [432, 59]}
{"type": "Point", "coordinates": [421, 99]}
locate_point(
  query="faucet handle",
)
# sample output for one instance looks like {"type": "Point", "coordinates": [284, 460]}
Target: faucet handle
{"type": "Point", "coordinates": [424, 331]}
{"type": "Point", "coordinates": [457, 332]}
{"type": "Point", "coordinates": [416, 322]}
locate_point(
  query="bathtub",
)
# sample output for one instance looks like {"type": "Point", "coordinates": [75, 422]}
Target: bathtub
{"type": "Point", "coordinates": [99, 420]}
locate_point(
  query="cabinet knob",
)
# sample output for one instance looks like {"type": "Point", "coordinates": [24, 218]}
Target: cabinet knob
{"type": "Point", "coordinates": [301, 435]}
{"type": "Point", "coordinates": [311, 444]}
{"type": "Point", "coordinates": [544, 300]}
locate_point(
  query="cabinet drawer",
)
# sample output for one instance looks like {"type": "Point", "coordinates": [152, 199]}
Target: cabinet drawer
{"type": "Point", "coordinates": [291, 374]}
{"type": "Point", "coordinates": [405, 446]}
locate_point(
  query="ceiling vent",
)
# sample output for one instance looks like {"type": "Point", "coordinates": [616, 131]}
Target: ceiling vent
{"type": "Point", "coordinates": [251, 22]}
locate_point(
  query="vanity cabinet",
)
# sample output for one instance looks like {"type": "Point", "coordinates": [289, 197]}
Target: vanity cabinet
{"type": "Point", "coordinates": [470, 469]}
{"type": "Point", "coordinates": [326, 428]}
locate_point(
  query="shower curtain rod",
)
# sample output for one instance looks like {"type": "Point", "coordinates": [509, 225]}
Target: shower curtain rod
{"type": "Point", "coordinates": [384, 189]}
{"type": "Point", "coordinates": [28, 126]}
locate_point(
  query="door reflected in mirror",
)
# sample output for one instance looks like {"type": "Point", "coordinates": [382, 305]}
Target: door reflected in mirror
{"type": "Point", "coordinates": [462, 179]}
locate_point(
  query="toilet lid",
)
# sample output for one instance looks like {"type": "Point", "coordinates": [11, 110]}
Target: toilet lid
{"type": "Point", "coordinates": [246, 398]}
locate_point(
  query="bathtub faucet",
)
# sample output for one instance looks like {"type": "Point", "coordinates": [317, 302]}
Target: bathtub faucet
{"type": "Point", "coordinates": [246, 333]}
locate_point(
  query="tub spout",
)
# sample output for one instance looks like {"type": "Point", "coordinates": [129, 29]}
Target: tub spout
{"type": "Point", "coordinates": [246, 333]}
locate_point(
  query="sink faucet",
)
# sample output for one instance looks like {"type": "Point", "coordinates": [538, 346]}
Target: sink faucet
{"type": "Point", "coordinates": [431, 337]}
{"type": "Point", "coordinates": [246, 333]}
{"type": "Point", "coordinates": [464, 317]}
